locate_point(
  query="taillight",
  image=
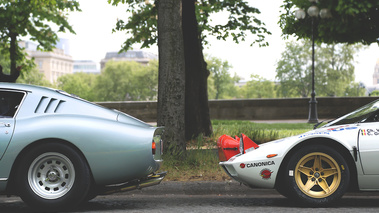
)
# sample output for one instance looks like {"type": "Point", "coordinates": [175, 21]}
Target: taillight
{"type": "Point", "coordinates": [153, 147]}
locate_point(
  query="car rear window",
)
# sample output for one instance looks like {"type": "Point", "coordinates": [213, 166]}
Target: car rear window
{"type": "Point", "coordinates": [9, 103]}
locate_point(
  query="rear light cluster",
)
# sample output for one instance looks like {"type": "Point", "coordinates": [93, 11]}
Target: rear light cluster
{"type": "Point", "coordinates": [153, 147]}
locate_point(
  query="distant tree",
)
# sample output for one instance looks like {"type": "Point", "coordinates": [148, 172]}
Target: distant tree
{"type": "Point", "coordinates": [293, 70]}
{"type": "Point", "coordinates": [334, 69]}
{"type": "Point", "coordinates": [352, 21]}
{"type": "Point", "coordinates": [127, 81]}
{"type": "Point", "coordinates": [220, 81]}
{"type": "Point", "coordinates": [34, 77]}
{"type": "Point", "coordinates": [80, 84]}
{"type": "Point", "coordinates": [31, 18]}
{"type": "Point", "coordinates": [257, 87]}
{"type": "Point", "coordinates": [355, 90]}
{"type": "Point", "coordinates": [374, 93]}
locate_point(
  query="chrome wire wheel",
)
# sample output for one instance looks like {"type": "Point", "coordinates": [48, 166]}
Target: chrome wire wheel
{"type": "Point", "coordinates": [51, 175]}
{"type": "Point", "coordinates": [317, 175]}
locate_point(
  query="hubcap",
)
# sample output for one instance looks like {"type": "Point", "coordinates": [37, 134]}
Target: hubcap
{"type": "Point", "coordinates": [51, 175]}
{"type": "Point", "coordinates": [317, 175]}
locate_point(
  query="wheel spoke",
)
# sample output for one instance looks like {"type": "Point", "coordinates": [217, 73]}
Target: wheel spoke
{"type": "Point", "coordinates": [324, 185]}
{"type": "Point", "coordinates": [317, 163]}
{"type": "Point", "coordinates": [309, 185]}
{"type": "Point", "coordinates": [329, 172]}
{"type": "Point", "coordinates": [305, 170]}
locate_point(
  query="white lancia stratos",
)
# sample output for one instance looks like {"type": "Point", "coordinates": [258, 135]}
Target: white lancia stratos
{"type": "Point", "coordinates": [316, 167]}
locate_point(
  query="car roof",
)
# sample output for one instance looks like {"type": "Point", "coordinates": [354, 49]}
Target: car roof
{"type": "Point", "coordinates": [23, 87]}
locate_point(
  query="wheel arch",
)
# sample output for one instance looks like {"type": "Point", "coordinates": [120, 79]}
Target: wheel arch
{"type": "Point", "coordinates": [11, 186]}
{"type": "Point", "coordinates": [326, 142]}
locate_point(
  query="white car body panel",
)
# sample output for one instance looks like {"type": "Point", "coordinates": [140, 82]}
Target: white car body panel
{"type": "Point", "coordinates": [363, 136]}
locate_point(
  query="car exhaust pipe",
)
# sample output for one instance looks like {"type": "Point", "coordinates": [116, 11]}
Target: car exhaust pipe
{"type": "Point", "coordinates": [151, 180]}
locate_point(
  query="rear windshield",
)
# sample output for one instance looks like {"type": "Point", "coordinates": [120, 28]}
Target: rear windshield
{"type": "Point", "coordinates": [9, 103]}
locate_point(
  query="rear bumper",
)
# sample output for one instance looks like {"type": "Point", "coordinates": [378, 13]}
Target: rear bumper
{"type": "Point", "coordinates": [151, 180]}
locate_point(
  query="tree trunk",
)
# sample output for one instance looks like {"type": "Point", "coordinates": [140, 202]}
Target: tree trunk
{"type": "Point", "coordinates": [15, 72]}
{"type": "Point", "coordinates": [171, 83]}
{"type": "Point", "coordinates": [197, 118]}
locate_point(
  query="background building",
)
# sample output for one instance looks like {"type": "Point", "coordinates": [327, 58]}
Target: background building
{"type": "Point", "coordinates": [131, 55]}
{"type": "Point", "coordinates": [52, 64]}
{"type": "Point", "coordinates": [86, 66]}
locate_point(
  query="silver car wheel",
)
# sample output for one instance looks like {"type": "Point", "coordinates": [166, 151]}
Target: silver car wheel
{"type": "Point", "coordinates": [51, 175]}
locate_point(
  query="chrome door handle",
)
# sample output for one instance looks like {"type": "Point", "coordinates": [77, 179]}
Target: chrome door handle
{"type": "Point", "coordinates": [6, 124]}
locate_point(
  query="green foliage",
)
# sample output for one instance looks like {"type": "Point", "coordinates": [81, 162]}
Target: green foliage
{"type": "Point", "coordinates": [334, 69]}
{"type": "Point", "coordinates": [257, 87]}
{"type": "Point", "coordinates": [293, 70]}
{"type": "Point", "coordinates": [119, 81]}
{"type": "Point", "coordinates": [32, 18]}
{"type": "Point", "coordinates": [374, 93]}
{"type": "Point", "coordinates": [355, 90]}
{"type": "Point", "coordinates": [34, 77]}
{"type": "Point", "coordinates": [123, 81]}
{"type": "Point", "coordinates": [142, 25]}
{"type": "Point", "coordinates": [80, 84]}
{"type": "Point", "coordinates": [352, 21]}
{"type": "Point", "coordinates": [220, 84]}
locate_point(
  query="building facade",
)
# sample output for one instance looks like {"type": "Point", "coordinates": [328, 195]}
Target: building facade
{"type": "Point", "coordinates": [85, 66]}
{"type": "Point", "coordinates": [131, 55]}
{"type": "Point", "coordinates": [52, 64]}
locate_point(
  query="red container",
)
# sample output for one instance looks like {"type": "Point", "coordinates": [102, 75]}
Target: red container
{"type": "Point", "coordinates": [229, 147]}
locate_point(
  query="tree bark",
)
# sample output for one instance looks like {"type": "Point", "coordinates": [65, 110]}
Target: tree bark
{"type": "Point", "coordinates": [171, 82]}
{"type": "Point", "coordinates": [197, 118]}
{"type": "Point", "coordinates": [15, 71]}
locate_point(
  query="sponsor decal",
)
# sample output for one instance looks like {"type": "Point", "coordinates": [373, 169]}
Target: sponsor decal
{"type": "Point", "coordinates": [313, 133]}
{"type": "Point", "coordinates": [342, 128]}
{"type": "Point", "coordinates": [369, 132]}
{"type": "Point", "coordinates": [266, 174]}
{"type": "Point", "coordinates": [259, 164]}
{"type": "Point", "coordinates": [327, 132]}
{"type": "Point", "coordinates": [242, 165]}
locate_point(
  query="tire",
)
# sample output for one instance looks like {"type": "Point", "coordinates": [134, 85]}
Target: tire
{"type": "Point", "coordinates": [316, 175]}
{"type": "Point", "coordinates": [52, 177]}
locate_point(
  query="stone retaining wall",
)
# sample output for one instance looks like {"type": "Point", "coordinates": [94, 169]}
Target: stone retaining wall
{"type": "Point", "coordinates": [254, 109]}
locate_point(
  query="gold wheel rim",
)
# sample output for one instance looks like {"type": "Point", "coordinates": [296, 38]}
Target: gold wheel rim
{"type": "Point", "coordinates": [317, 175]}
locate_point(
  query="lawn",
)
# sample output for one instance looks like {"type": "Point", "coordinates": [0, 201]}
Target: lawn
{"type": "Point", "coordinates": [201, 159]}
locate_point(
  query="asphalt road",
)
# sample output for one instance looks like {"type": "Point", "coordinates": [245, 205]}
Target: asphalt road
{"type": "Point", "coordinates": [205, 197]}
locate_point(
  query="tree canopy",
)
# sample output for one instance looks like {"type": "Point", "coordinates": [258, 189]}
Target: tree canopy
{"type": "Point", "coordinates": [334, 70]}
{"type": "Point", "coordinates": [221, 85]}
{"type": "Point", "coordinates": [142, 25]}
{"type": "Point", "coordinates": [31, 18]}
{"type": "Point", "coordinates": [351, 22]}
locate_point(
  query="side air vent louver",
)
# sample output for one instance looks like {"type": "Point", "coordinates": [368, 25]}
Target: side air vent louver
{"type": "Point", "coordinates": [48, 105]}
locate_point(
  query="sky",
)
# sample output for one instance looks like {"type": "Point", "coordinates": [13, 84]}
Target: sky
{"type": "Point", "coordinates": [94, 37]}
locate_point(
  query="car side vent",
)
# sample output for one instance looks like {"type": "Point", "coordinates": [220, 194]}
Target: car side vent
{"type": "Point", "coordinates": [48, 105]}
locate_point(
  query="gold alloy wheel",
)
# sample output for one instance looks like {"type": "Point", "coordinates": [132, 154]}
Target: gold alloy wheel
{"type": "Point", "coordinates": [317, 175]}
